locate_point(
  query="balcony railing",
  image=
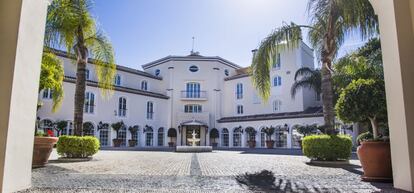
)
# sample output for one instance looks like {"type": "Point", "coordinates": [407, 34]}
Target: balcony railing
{"type": "Point", "coordinates": [194, 95]}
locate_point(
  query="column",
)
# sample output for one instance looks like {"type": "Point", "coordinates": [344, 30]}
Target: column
{"type": "Point", "coordinates": [289, 138]}
{"type": "Point", "coordinates": [397, 38]}
{"type": "Point", "coordinates": [21, 37]}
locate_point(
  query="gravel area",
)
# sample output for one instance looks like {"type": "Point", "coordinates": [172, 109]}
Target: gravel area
{"type": "Point", "coordinates": [219, 171]}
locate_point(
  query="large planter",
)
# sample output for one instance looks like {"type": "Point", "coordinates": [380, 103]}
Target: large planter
{"type": "Point", "coordinates": [270, 144]}
{"type": "Point", "coordinates": [131, 143]}
{"type": "Point", "coordinates": [42, 148]}
{"type": "Point", "coordinates": [375, 157]}
{"type": "Point", "coordinates": [117, 142]}
{"type": "Point", "coordinates": [170, 144]}
{"type": "Point", "coordinates": [252, 144]}
{"type": "Point", "coordinates": [215, 144]}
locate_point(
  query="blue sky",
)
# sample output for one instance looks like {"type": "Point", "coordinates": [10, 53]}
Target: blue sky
{"type": "Point", "coordinates": [145, 30]}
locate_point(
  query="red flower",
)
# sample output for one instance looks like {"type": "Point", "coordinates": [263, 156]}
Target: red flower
{"type": "Point", "coordinates": [50, 133]}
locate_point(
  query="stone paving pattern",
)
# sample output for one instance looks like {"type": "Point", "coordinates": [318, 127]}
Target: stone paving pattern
{"type": "Point", "coordinates": [219, 171]}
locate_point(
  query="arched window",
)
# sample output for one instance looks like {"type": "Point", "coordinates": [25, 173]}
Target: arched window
{"type": "Point", "coordinates": [150, 110]}
{"type": "Point", "coordinates": [281, 136]}
{"type": "Point", "coordinates": [46, 124]}
{"type": "Point", "coordinates": [240, 109]}
{"type": "Point", "coordinates": [193, 108]}
{"type": "Point", "coordinates": [103, 133]}
{"type": "Point", "coordinates": [122, 135]}
{"type": "Point", "coordinates": [277, 81]}
{"type": "Point", "coordinates": [122, 107]}
{"type": "Point", "coordinates": [149, 136]}
{"type": "Point", "coordinates": [89, 103]}
{"type": "Point", "coordinates": [117, 80]}
{"type": "Point", "coordinates": [87, 74]}
{"type": "Point", "coordinates": [277, 106]}
{"type": "Point", "coordinates": [134, 133]}
{"type": "Point", "coordinates": [239, 91]}
{"type": "Point", "coordinates": [262, 137]}
{"type": "Point", "coordinates": [144, 85]}
{"type": "Point", "coordinates": [88, 129]}
{"type": "Point", "coordinates": [237, 137]}
{"type": "Point", "coordinates": [225, 137]}
{"type": "Point", "coordinates": [277, 63]}
{"type": "Point", "coordinates": [161, 136]}
{"type": "Point", "coordinates": [193, 90]}
{"type": "Point", "coordinates": [226, 72]}
{"type": "Point", "coordinates": [157, 72]}
{"type": "Point", "coordinates": [47, 93]}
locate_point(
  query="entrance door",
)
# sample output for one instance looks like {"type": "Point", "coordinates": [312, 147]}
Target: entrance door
{"type": "Point", "coordinates": [189, 134]}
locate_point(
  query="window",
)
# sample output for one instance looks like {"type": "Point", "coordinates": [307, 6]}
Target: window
{"type": "Point", "coordinates": [161, 136]}
{"type": "Point", "coordinates": [88, 129]}
{"type": "Point", "coordinates": [225, 137]}
{"type": "Point", "coordinates": [237, 137]}
{"type": "Point", "coordinates": [277, 81]}
{"type": "Point", "coordinates": [104, 135]}
{"type": "Point", "coordinates": [193, 68]}
{"type": "Point", "coordinates": [192, 108]}
{"type": "Point", "coordinates": [118, 80]}
{"type": "Point", "coordinates": [47, 93]}
{"type": "Point", "coordinates": [277, 63]}
{"type": "Point", "coordinates": [89, 102]}
{"type": "Point", "coordinates": [193, 90]}
{"type": "Point", "coordinates": [122, 107]}
{"type": "Point", "coordinates": [150, 110]}
{"type": "Point", "coordinates": [87, 74]}
{"type": "Point", "coordinates": [157, 72]}
{"type": "Point", "coordinates": [226, 72]}
{"type": "Point", "coordinates": [144, 85]}
{"type": "Point", "coordinates": [46, 125]}
{"type": "Point", "coordinates": [122, 135]}
{"type": "Point", "coordinates": [239, 91]}
{"type": "Point", "coordinates": [262, 138]}
{"type": "Point", "coordinates": [277, 104]}
{"type": "Point", "coordinates": [149, 134]}
{"type": "Point", "coordinates": [239, 109]}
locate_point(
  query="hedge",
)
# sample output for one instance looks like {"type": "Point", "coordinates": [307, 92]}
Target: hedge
{"type": "Point", "coordinates": [77, 147]}
{"type": "Point", "coordinates": [327, 147]}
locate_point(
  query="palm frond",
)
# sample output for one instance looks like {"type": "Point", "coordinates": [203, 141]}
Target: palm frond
{"type": "Point", "coordinates": [309, 78]}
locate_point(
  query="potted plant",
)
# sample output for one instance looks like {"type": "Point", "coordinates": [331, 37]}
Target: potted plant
{"type": "Point", "coordinates": [362, 100]}
{"type": "Point", "coordinates": [269, 131]}
{"type": "Point", "coordinates": [171, 134]}
{"type": "Point", "coordinates": [213, 135]}
{"type": "Point", "coordinates": [251, 134]}
{"type": "Point", "coordinates": [43, 146]}
{"type": "Point", "coordinates": [116, 127]}
{"type": "Point", "coordinates": [59, 126]}
{"type": "Point", "coordinates": [133, 130]}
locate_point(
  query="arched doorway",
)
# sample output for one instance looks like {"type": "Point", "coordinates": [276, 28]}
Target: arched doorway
{"type": "Point", "coordinates": [225, 137]}
{"type": "Point", "coordinates": [237, 134]}
{"type": "Point", "coordinates": [103, 129]}
{"type": "Point", "coordinates": [161, 136]}
{"type": "Point", "coordinates": [214, 134]}
{"type": "Point", "coordinates": [172, 134]}
{"type": "Point", "coordinates": [149, 136]}
{"type": "Point", "coordinates": [88, 129]}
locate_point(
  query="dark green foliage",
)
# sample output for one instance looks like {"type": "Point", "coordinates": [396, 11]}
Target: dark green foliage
{"type": "Point", "coordinates": [250, 131]}
{"type": "Point", "coordinates": [307, 129]}
{"type": "Point", "coordinates": [118, 126]}
{"type": "Point", "coordinates": [365, 137]}
{"type": "Point", "coordinates": [60, 126]}
{"type": "Point", "coordinates": [77, 147]}
{"type": "Point", "coordinates": [327, 147]}
{"type": "Point", "coordinates": [214, 133]}
{"type": "Point", "coordinates": [133, 129]}
{"type": "Point", "coordinates": [269, 131]}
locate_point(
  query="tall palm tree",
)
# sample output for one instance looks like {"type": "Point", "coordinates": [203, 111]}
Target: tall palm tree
{"type": "Point", "coordinates": [309, 78]}
{"type": "Point", "coordinates": [331, 22]}
{"type": "Point", "coordinates": [70, 25]}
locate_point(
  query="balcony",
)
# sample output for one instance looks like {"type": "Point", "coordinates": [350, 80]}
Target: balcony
{"type": "Point", "coordinates": [184, 117]}
{"type": "Point", "coordinates": [194, 95]}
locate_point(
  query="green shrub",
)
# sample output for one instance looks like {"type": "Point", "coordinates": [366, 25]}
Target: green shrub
{"type": "Point", "coordinates": [77, 147]}
{"type": "Point", "coordinates": [327, 147]}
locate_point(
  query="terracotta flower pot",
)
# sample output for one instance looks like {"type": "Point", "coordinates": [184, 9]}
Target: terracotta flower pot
{"type": "Point", "coordinates": [252, 144]}
{"type": "Point", "coordinates": [117, 142]}
{"type": "Point", "coordinates": [170, 144]}
{"type": "Point", "coordinates": [375, 157]}
{"type": "Point", "coordinates": [132, 143]}
{"type": "Point", "coordinates": [269, 144]}
{"type": "Point", "coordinates": [42, 148]}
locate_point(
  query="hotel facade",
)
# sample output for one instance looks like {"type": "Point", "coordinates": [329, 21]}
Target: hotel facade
{"type": "Point", "coordinates": [186, 94]}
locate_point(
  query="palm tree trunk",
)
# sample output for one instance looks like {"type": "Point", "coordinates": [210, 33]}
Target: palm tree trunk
{"type": "Point", "coordinates": [327, 100]}
{"type": "Point", "coordinates": [80, 94]}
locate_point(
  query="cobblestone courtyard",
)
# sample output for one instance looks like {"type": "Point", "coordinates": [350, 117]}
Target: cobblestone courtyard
{"type": "Point", "coordinates": [220, 171]}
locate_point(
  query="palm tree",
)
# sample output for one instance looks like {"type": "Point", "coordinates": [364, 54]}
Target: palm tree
{"type": "Point", "coordinates": [51, 77]}
{"type": "Point", "coordinates": [71, 26]}
{"type": "Point", "coordinates": [308, 79]}
{"type": "Point", "coordinates": [331, 21]}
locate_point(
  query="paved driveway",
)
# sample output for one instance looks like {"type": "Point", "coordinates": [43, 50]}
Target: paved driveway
{"type": "Point", "coordinates": [220, 171]}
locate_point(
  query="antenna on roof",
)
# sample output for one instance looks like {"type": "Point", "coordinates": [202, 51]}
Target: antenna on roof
{"type": "Point", "coordinates": [192, 47]}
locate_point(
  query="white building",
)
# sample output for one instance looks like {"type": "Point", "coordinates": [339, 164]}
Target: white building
{"type": "Point", "coordinates": [186, 93]}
